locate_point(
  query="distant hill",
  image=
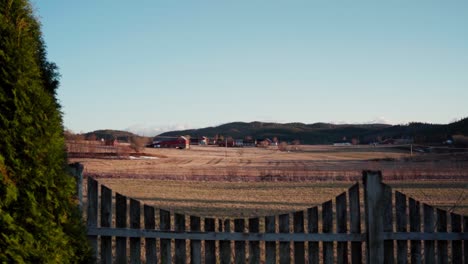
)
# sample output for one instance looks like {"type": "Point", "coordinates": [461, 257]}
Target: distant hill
{"type": "Point", "coordinates": [108, 134]}
{"type": "Point", "coordinates": [325, 133]}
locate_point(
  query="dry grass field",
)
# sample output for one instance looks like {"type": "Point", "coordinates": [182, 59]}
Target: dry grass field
{"type": "Point", "coordinates": [213, 181]}
{"type": "Point", "coordinates": [257, 164]}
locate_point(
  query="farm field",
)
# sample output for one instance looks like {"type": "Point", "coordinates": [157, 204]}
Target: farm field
{"type": "Point", "coordinates": [244, 182]}
{"type": "Point", "coordinates": [317, 163]}
{"type": "Point", "coordinates": [248, 199]}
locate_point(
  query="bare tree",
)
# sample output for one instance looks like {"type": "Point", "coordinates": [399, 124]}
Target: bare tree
{"type": "Point", "coordinates": [138, 143]}
{"type": "Point", "coordinates": [283, 146]}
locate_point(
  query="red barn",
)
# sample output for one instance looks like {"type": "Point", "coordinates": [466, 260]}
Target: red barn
{"type": "Point", "coordinates": [171, 142]}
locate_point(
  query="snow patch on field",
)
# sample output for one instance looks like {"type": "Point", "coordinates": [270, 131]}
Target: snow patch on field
{"type": "Point", "coordinates": [143, 158]}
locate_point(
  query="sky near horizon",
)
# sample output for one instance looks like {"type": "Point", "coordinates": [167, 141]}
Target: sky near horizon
{"type": "Point", "coordinates": [152, 66]}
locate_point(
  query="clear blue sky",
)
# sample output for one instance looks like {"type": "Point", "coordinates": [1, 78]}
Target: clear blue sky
{"type": "Point", "coordinates": [158, 65]}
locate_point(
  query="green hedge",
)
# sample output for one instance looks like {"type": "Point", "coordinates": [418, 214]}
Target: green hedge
{"type": "Point", "coordinates": [39, 219]}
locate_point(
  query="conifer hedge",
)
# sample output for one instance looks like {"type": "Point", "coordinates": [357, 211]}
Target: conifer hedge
{"type": "Point", "coordinates": [39, 219]}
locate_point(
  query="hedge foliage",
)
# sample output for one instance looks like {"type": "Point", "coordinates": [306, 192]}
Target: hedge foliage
{"type": "Point", "coordinates": [39, 219]}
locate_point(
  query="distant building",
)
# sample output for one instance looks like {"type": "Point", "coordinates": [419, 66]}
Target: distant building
{"type": "Point", "coordinates": [204, 141]}
{"type": "Point", "coordinates": [249, 142]}
{"type": "Point", "coordinates": [263, 142]}
{"type": "Point", "coordinates": [229, 142]}
{"type": "Point", "coordinates": [111, 142]}
{"type": "Point", "coordinates": [170, 142]}
{"type": "Point", "coordinates": [238, 143]}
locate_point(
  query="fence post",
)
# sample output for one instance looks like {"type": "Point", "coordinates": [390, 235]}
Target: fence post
{"type": "Point", "coordinates": [373, 200]}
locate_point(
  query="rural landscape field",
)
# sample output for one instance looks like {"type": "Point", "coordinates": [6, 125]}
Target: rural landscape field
{"type": "Point", "coordinates": [231, 182]}
{"type": "Point", "coordinates": [233, 132]}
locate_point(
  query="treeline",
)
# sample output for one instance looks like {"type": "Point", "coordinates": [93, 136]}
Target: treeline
{"type": "Point", "coordinates": [324, 133]}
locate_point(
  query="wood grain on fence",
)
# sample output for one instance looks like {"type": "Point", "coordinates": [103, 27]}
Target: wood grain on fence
{"type": "Point", "coordinates": [299, 248]}
{"type": "Point", "coordinates": [135, 245]}
{"type": "Point", "coordinates": [150, 243]}
{"type": "Point", "coordinates": [270, 246]}
{"type": "Point", "coordinates": [106, 221]}
{"type": "Point", "coordinates": [121, 222]}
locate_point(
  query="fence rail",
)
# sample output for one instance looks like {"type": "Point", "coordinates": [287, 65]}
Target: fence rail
{"type": "Point", "coordinates": [384, 227]}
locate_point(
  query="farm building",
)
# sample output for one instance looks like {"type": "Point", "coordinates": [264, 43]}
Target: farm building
{"type": "Point", "coordinates": [170, 142]}
{"type": "Point", "coordinates": [110, 142]}
{"type": "Point", "coordinates": [238, 142]}
{"type": "Point", "coordinates": [229, 142]}
{"type": "Point", "coordinates": [199, 141]}
{"type": "Point", "coordinates": [264, 142]}
{"type": "Point", "coordinates": [249, 142]}
{"type": "Point", "coordinates": [204, 141]}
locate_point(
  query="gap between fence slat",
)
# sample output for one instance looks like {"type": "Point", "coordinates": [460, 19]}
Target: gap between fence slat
{"type": "Point", "coordinates": [355, 222]}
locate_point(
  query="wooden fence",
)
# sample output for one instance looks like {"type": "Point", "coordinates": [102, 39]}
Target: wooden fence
{"type": "Point", "coordinates": [383, 228]}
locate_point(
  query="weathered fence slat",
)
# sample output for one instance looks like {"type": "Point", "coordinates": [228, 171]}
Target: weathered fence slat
{"type": "Point", "coordinates": [225, 245]}
{"type": "Point", "coordinates": [150, 243]}
{"type": "Point", "coordinates": [457, 254]}
{"type": "Point", "coordinates": [429, 245]}
{"type": "Point", "coordinates": [165, 244]}
{"type": "Point", "coordinates": [239, 246]}
{"type": "Point", "coordinates": [401, 226]}
{"type": "Point", "coordinates": [442, 249]}
{"type": "Point", "coordinates": [135, 242]}
{"type": "Point", "coordinates": [341, 227]}
{"type": "Point", "coordinates": [270, 246]}
{"type": "Point", "coordinates": [299, 249]}
{"type": "Point", "coordinates": [389, 255]}
{"type": "Point", "coordinates": [195, 245]}
{"type": "Point", "coordinates": [312, 226]}
{"type": "Point", "coordinates": [121, 222]}
{"type": "Point", "coordinates": [106, 221]}
{"type": "Point", "coordinates": [210, 246]}
{"type": "Point", "coordinates": [415, 226]}
{"type": "Point", "coordinates": [327, 227]}
{"type": "Point", "coordinates": [355, 222]}
{"type": "Point", "coordinates": [180, 251]}
{"type": "Point", "coordinates": [373, 189]}
{"type": "Point", "coordinates": [93, 211]}
{"type": "Point", "coordinates": [254, 246]}
{"type": "Point", "coordinates": [284, 247]}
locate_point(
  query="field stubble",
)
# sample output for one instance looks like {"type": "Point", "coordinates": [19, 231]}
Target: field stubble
{"type": "Point", "coordinates": [212, 181]}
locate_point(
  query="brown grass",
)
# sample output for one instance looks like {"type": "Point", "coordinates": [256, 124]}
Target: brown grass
{"type": "Point", "coordinates": [248, 199]}
{"type": "Point", "coordinates": [258, 164]}
{"type": "Point", "coordinates": [213, 181]}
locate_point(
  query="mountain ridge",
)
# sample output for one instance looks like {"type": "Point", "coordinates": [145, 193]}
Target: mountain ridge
{"type": "Point", "coordinates": [314, 133]}
{"type": "Point", "coordinates": [326, 133]}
